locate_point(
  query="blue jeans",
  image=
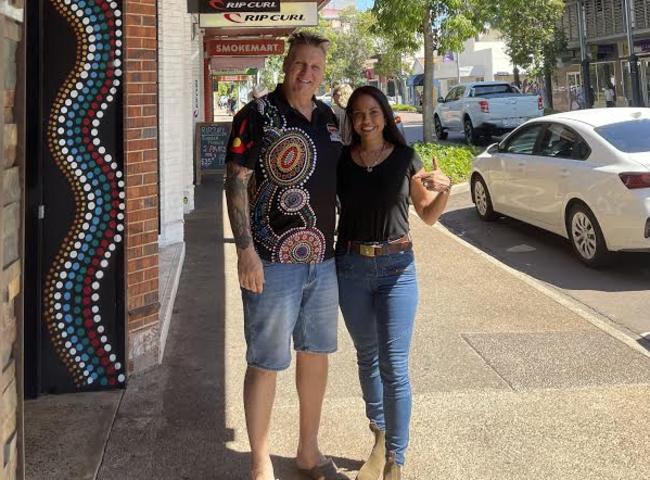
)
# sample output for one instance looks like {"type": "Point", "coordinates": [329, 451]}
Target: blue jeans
{"type": "Point", "coordinates": [378, 298]}
{"type": "Point", "coordinates": [298, 300]}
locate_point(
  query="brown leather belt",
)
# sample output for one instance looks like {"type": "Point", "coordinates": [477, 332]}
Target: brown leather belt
{"type": "Point", "coordinates": [379, 249]}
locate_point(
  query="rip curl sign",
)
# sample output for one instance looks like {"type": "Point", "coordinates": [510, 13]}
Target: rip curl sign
{"type": "Point", "coordinates": [291, 14]}
{"type": "Point", "coordinates": [232, 6]}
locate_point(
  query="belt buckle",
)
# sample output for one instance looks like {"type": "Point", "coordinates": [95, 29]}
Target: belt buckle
{"type": "Point", "coordinates": [367, 250]}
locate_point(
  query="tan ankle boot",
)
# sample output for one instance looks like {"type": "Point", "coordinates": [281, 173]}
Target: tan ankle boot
{"type": "Point", "coordinates": [371, 470]}
{"type": "Point", "coordinates": [392, 471]}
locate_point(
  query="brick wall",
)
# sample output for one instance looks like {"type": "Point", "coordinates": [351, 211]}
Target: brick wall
{"type": "Point", "coordinates": [141, 166]}
{"type": "Point", "coordinates": [11, 214]}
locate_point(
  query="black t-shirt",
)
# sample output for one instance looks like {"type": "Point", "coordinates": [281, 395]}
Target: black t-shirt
{"type": "Point", "coordinates": [294, 196]}
{"type": "Point", "coordinates": [375, 205]}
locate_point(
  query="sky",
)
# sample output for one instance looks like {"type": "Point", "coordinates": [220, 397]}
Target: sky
{"type": "Point", "coordinates": [361, 4]}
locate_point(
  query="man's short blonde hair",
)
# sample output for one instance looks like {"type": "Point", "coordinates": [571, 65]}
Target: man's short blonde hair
{"type": "Point", "coordinates": [307, 38]}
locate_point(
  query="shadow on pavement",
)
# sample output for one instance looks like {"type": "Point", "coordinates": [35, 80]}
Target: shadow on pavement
{"type": "Point", "coordinates": [553, 262]}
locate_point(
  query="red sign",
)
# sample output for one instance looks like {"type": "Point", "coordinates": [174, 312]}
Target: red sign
{"type": "Point", "coordinates": [235, 48]}
{"type": "Point", "coordinates": [232, 78]}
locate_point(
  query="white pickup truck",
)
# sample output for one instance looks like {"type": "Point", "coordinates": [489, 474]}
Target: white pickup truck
{"type": "Point", "coordinates": [484, 109]}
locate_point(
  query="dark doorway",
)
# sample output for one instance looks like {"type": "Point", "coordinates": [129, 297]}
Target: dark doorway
{"type": "Point", "coordinates": [74, 312]}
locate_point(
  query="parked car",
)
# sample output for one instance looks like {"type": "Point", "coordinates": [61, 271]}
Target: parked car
{"type": "Point", "coordinates": [326, 99]}
{"type": "Point", "coordinates": [584, 175]}
{"type": "Point", "coordinates": [484, 109]}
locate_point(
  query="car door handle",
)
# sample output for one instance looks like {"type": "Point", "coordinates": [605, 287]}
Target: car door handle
{"type": "Point", "coordinates": [564, 173]}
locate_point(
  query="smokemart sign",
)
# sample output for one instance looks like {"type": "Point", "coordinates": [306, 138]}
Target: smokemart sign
{"type": "Point", "coordinates": [216, 48]}
{"type": "Point", "coordinates": [226, 6]}
{"type": "Point", "coordinates": [292, 14]}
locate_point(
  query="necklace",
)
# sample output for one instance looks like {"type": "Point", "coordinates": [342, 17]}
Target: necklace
{"type": "Point", "coordinates": [377, 158]}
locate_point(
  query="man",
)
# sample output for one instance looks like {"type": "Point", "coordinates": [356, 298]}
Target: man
{"type": "Point", "coordinates": [340, 97]}
{"type": "Point", "coordinates": [284, 148]}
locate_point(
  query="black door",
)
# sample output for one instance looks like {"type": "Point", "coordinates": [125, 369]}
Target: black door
{"type": "Point", "coordinates": [75, 317]}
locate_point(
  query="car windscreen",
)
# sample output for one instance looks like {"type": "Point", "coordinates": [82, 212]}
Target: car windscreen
{"type": "Point", "coordinates": [487, 90]}
{"type": "Point", "coordinates": [629, 137]}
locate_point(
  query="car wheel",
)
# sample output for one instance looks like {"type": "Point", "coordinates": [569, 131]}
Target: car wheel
{"type": "Point", "coordinates": [586, 237]}
{"type": "Point", "coordinates": [470, 132]}
{"type": "Point", "coordinates": [482, 200]}
{"type": "Point", "coordinates": [441, 133]}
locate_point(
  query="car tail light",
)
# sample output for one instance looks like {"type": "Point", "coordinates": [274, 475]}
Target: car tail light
{"type": "Point", "coordinates": [647, 228]}
{"type": "Point", "coordinates": [540, 103]}
{"type": "Point", "coordinates": [635, 180]}
{"type": "Point", "coordinates": [485, 106]}
{"type": "Point", "coordinates": [398, 119]}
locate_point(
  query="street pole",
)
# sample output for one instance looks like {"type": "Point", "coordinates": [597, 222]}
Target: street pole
{"type": "Point", "coordinates": [636, 100]}
{"type": "Point", "coordinates": [458, 67]}
{"type": "Point", "coordinates": [584, 59]}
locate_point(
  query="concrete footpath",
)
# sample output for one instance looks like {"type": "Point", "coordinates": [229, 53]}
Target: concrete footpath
{"type": "Point", "coordinates": [508, 383]}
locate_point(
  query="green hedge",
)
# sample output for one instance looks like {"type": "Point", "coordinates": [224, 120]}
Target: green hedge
{"type": "Point", "coordinates": [454, 160]}
{"type": "Point", "coordinates": [399, 107]}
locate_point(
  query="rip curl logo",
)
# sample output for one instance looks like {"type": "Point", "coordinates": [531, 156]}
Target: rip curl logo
{"type": "Point", "coordinates": [233, 17]}
{"type": "Point", "coordinates": [217, 4]}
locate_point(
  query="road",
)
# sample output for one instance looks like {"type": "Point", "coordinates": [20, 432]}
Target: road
{"type": "Point", "coordinates": [619, 293]}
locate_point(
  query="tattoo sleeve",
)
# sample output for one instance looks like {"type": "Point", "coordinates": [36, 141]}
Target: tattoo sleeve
{"type": "Point", "coordinates": [236, 186]}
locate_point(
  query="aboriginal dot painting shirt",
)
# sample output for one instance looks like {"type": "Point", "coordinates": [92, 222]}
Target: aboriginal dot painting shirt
{"type": "Point", "coordinates": [294, 160]}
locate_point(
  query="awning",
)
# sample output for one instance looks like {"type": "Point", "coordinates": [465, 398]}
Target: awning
{"type": "Point", "coordinates": [415, 80]}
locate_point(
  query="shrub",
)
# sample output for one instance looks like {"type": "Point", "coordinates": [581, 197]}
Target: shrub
{"type": "Point", "coordinates": [454, 160]}
{"type": "Point", "coordinates": [399, 107]}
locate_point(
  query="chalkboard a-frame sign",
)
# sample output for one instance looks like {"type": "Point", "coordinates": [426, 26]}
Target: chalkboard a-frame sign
{"type": "Point", "coordinates": [210, 146]}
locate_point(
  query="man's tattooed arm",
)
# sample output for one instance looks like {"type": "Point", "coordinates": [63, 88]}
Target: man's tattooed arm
{"type": "Point", "coordinates": [236, 185]}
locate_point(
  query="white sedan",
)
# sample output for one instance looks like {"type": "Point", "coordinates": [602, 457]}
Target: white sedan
{"type": "Point", "coordinates": [584, 175]}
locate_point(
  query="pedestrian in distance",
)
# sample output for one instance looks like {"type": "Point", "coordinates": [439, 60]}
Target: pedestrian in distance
{"type": "Point", "coordinates": [258, 91]}
{"type": "Point", "coordinates": [340, 97]}
{"type": "Point", "coordinates": [610, 95]}
{"type": "Point", "coordinates": [286, 144]}
{"type": "Point", "coordinates": [378, 177]}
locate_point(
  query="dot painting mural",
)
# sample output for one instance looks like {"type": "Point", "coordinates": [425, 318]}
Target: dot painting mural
{"type": "Point", "coordinates": [79, 306]}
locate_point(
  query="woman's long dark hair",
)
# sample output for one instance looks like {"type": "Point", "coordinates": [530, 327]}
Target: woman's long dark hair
{"type": "Point", "coordinates": [391, 133]}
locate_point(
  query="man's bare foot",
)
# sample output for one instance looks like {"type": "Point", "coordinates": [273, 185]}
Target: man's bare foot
{"type": "Point", "coordinates": [263, 471]}
{"type": "Point", "coordinates": [309, 459]}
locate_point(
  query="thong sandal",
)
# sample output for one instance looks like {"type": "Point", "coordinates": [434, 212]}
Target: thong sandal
{"type": "Point", "coordinates": [325, 471]}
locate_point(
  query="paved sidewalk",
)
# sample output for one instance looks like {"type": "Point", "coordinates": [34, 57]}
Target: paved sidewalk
{"type": "Point", "coordinates": [508, 384]}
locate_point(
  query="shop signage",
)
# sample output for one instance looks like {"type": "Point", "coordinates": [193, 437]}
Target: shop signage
{"type": "Point", "coordinates": [232, 78]}
{"type": "Point", "coordinates": [228, 6]}
{"type": "Point", "coordinates": [211, 145]}
{"type": "Point", "coordinates": [256, 47]}
{"type": "Point", "coordinates": [292, 14]}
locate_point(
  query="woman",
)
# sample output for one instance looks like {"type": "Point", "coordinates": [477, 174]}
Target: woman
{"type": "Point", "coordinates": [378, 176]}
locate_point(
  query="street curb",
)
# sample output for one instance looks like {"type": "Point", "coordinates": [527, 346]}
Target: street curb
{"type": "Point", "coordinates": [460, 188]}
{"type": "Point", "coordinates": [583, 311]}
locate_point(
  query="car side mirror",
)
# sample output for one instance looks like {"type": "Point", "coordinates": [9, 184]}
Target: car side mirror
{"type": "Point", "coordinates": [441, 100]}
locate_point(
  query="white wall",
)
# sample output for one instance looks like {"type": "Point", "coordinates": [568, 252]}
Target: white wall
{"type": "Point", "coordinates": [180, 64]}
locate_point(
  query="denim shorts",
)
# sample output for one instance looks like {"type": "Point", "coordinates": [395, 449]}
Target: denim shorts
{"type": "Point", "coordinates": [299, 301]}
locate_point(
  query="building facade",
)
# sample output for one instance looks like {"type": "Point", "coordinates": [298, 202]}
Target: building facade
{"type": "Point", "coordinates": [483, 58]}
{"type": "Point", "coordinates": [606, 50]}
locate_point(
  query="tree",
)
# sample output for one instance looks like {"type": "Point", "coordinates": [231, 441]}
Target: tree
{"type": "Point", "coordinates": [530, 31]}
{"type": "Point", "coordinates": [443, 24]}
{"type": "Point", "coordinates": [351, 45]}
{"type": "Point", "coordinates": [272, 73]}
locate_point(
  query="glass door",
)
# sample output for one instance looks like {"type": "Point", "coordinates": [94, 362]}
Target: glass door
{"type": "Point", "coordinates": [644, 69]}
{"type": "Point", "coordinates": [574, 89]}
